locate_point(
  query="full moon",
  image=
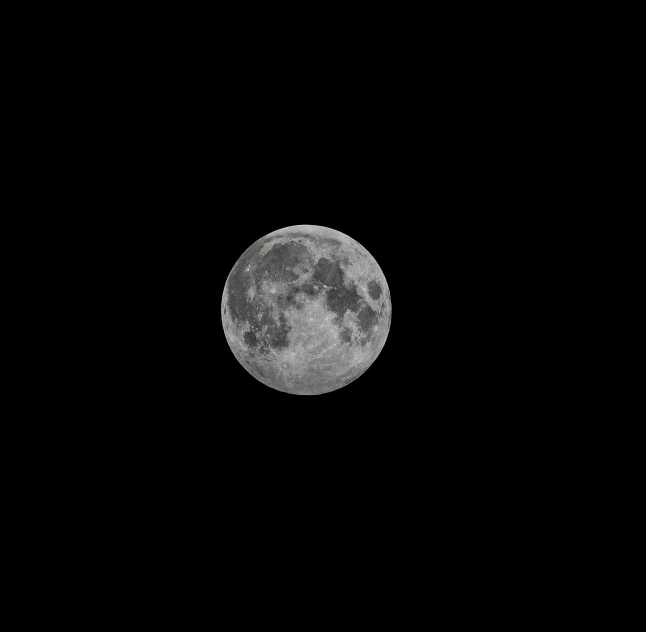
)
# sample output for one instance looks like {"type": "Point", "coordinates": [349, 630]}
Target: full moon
{"type": "Point", "coordinates": [306, 310]}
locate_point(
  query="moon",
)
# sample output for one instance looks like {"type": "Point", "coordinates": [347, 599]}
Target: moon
{"type": "Point", "coordinates": [306, 310]}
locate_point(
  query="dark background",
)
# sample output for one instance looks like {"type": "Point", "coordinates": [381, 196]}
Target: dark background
{"type": "Point", "coordinates": [200, 163]}
{"type": "Point", "coordinates": [187, 148]}
{"type": "Point", "coordinates": [187, 154]}
{"type": "Point", "coordinates": [414, 142]}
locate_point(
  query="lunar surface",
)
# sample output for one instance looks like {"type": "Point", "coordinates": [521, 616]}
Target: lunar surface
{"type": "Point", "coordinates": [306, 310]}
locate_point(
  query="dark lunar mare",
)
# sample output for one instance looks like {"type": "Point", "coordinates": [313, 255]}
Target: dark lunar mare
{"type": "Point", "coordinates": [342, 298]}
{"type": "Point", "coordinates": [264, 330]}
{"type": "Point", "coordinates": [345, 334]}
{"type": "Point", "coordinates": [374, 289]}
{"type": "Point", "coordinates": [251, 338]}
{"type": "Point", "coordinates": [239, 283]}
{"type": "Point", "coordinates": [325, 241]}
{"type": "Point", "coordinates": [367, 319]}
{"type": "Point", "coordinates": [328, 272]}
{"type": "Point", "coordinates": [279, 260]}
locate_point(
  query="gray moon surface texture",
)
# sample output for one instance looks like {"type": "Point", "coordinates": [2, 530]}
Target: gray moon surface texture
{"type": "Point", "coordinates": [306, 310]}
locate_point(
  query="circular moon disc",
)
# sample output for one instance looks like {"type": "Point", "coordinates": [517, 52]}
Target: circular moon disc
{"type": "Point", "coordinates": [306, 310]}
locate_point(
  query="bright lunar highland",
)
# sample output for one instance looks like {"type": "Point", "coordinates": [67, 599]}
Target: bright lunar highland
{"type": "Point", "coordinates": [306, 310]}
